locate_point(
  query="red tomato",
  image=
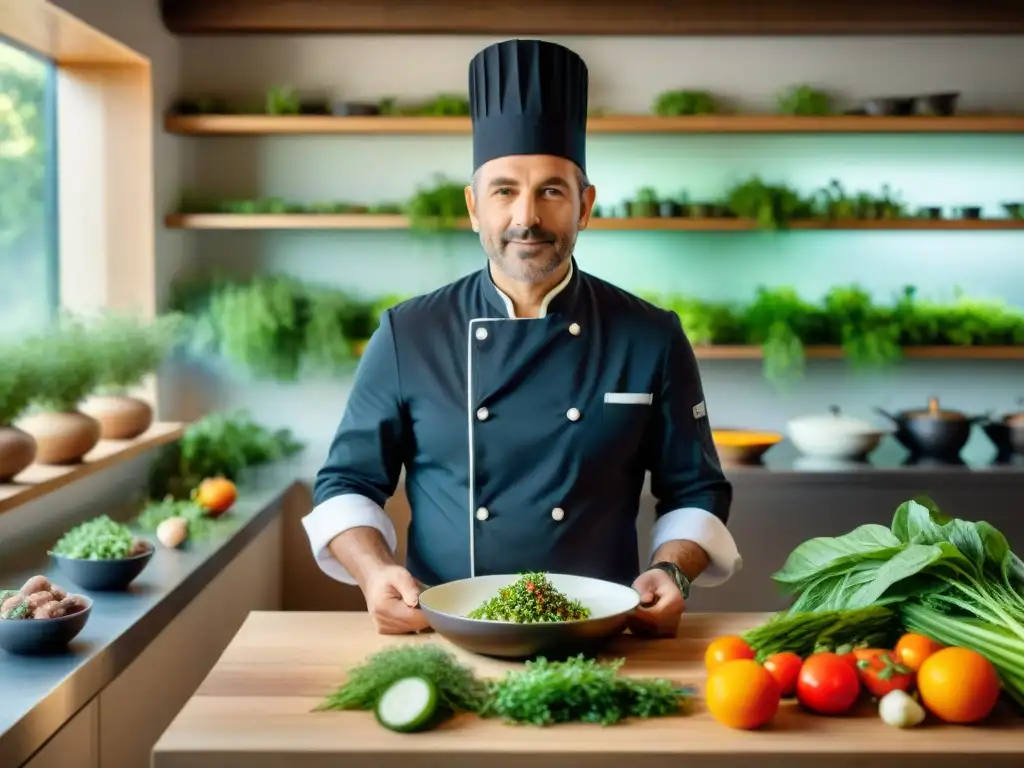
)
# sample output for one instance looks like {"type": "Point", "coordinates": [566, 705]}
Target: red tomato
{"type": "Point", "coordinates": [881, 671]}
{"type": "Point", "coordinates": [785, 668]}
{"type": "Point", "coordinates": [827, 684]}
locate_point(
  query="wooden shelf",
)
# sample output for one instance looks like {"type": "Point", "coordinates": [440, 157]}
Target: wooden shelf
{"type": "Point", "coordinates": [39, 480]}
{"type": "Point", "coordinates": [725, 352]}
{"type": "Point", "coordinates": [388, 222]}
{"type": "Point", "coordinates": [238, 125]}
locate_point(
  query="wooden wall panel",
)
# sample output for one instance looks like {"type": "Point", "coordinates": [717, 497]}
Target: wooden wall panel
{"type": "Point", "coordinates": [595, 17]}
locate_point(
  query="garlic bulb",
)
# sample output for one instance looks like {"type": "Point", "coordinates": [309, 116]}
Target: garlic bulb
{"type": "Point", "coordinates": [898, 709]}
{"type": "Point", "coordinates": [172, 532]}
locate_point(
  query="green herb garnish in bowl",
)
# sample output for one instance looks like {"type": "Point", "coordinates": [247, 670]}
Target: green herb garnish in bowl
{"type": "Point", "coordinates": [530, 599]}
{"type": "Point", "coordinates": [100, 539]}
{"type": "Point", "coordinates": [101, 554]}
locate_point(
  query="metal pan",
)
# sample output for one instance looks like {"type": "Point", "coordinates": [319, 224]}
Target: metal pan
{"type": "Point", "coordinates": [610, 604]}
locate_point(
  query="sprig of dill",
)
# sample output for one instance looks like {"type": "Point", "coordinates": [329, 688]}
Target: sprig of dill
{"type": "Point", "coordinates": [458, 688]}
{"type": "Point", "coordinates": [582, 690]}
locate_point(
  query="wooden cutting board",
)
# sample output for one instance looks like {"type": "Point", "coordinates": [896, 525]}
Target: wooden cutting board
{"type": "Point", "coordinates": [254, 710]}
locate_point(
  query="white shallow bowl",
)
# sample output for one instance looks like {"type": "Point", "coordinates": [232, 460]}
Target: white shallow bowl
{"type": "Point", "coordinates": [824, 444]}
{"type": "Point", "coordinates": [446, 606]}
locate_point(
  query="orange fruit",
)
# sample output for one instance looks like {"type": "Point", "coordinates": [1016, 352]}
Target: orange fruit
{"type": "Point", "coordinates": [912, 649]}
{"type": "Point", "coordinates": [215, 495]}
{"type": "Point", "coordinates": [726, 648]}
{"type": "Point", "coordinates": [958, 685]}
{"type": "Point", "coordinates": [742, 694]}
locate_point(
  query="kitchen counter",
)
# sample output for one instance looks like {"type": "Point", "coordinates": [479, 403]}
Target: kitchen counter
{"type": "Point", "coordinates": [255, 710]}
{"type": "Point", "coordinates": [42, 693]}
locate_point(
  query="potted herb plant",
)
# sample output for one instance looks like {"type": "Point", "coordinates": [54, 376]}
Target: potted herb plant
{"type": "Point", "coordinates": [125, 352]}
{"type": "Point", "coordinates": [65, 372]}
{"type": "Point", "coordinates": [645, 206]}
{"type": "Point", "coordinates": [17, 447]}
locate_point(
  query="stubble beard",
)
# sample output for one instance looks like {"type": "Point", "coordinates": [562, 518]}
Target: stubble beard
{"type": "Point", "coordinates": [531, 268]}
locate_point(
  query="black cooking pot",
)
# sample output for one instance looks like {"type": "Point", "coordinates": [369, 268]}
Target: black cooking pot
{"type": "Point", "coordinates": [933, 432]}
{"type": "Point", "coordinates": [1007, 433]}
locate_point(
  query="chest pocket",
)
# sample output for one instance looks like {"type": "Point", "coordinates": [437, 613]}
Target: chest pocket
{"type": "Point", "coordinates": [624, 419]}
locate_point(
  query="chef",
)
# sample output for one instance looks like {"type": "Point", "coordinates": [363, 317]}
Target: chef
{"type": "Point", "coordinates": [526, 401]}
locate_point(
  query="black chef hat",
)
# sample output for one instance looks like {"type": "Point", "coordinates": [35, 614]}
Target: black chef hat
{"type": "Point", "coordinates": [528, 97]}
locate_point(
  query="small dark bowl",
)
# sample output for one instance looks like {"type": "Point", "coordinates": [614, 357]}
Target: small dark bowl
{"type": "Point", "coordinates": [972, 212]}
{"type": "Point", "coordinates": [889, 106]}
{"type": "Point", "coordinates": [103, 575]}
{"type": "Point", "coordinates": [24, 637]}
{"type": "Point", "coordinates": [936, 104]}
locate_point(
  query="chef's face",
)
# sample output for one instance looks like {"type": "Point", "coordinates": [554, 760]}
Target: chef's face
{"type": "Point", "coordinates": [528, 210]}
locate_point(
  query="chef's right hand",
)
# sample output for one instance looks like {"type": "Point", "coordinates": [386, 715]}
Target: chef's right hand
{"type": "Point", "coordinates": [392, 595]}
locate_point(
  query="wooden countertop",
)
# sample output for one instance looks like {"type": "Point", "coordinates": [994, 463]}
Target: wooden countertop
{"type": "Point", "coordinates": [255, 710]}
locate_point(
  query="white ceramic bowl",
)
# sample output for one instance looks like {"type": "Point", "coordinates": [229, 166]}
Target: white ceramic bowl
{"type": "Point", "coordinates": [840, 444]}
{"type": "Point", "coordinates": [446, 606]}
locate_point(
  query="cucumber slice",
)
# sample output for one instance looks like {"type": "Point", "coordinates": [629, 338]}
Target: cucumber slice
{"type": "Point", "coordinates": [408, 705]}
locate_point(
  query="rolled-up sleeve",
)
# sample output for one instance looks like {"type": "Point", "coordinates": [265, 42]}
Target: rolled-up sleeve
{"type": "Point", "coordinates": [692, 492]}
{"type": "Point", "coordinates": [365, 458]}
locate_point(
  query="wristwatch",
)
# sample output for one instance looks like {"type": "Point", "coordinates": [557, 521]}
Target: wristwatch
{"type": "Point", "coordinates": [677, 576]}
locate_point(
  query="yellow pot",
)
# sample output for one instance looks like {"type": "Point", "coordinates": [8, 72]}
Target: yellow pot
{"type": "Point", "coordinates": [61, 438]}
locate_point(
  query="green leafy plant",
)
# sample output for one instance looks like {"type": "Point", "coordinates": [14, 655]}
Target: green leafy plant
{"type": "Point", "coordinates": [220, 444]}
{"type": "Point", "coordinates": [276, 327]}
{"type": "Point", "coordinates": [772, 206]}
{"type": "Point", "coordinates": [805, 101]}
{"type": "Point", "coordinates": [645, 206]}
{"type": "Point", "coordinates": [283, 100]}
{"type": "Point", "coordinates": [199, 524]}
{"type": "Point", "coordinates": [678, 103]}
{"type": "Point", "coordinates": [17, 382]}
{"type": "Point", "coordinates": [65, 366]}
{"type": "Point", "coordinates": [438, 207]}
{"type": "Point", "coordinates": [126, 350]}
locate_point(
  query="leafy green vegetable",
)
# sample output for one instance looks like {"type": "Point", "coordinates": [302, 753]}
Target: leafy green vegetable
{"type": "Point", "coordinates": [529, 600]}
{"type": "Point", "coordinates": [458, 687]}
{"type": "Point", "coordinates": [807, 633]}
{"type": "Point", "coordinates": [98, 539]}
{"type": "Point", "coordinates": [955, 580]}
{"type": "Point", "coordinates": [581, 690]}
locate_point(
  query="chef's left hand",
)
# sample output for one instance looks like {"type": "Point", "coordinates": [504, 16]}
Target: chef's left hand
{"type": "Point", "coordinates": [661, 605]}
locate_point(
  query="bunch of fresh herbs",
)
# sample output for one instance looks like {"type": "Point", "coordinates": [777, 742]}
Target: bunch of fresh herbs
{"type": "Point", "coordinates": [98, 539]}
{"type": "Point", "coordinates": [581, 690]}
{"type": "Point", "coordinates": [458, 687]}
{"type": "Point", "coordinates": [954, 580]}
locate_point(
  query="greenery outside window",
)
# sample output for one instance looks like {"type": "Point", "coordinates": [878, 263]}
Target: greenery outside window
{"type": "Point", "coordinates": [29, 277]}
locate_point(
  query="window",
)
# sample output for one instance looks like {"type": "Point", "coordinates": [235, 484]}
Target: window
{"type": "Point", "coordinates": [28, 191]}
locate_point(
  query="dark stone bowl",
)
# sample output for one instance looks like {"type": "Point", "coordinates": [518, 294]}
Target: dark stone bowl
{"type": "Point", "coordinates": [103, 575]}
{"type": "Point", "coordinates": [24, 637]}
{"type": "Point", "coordinates": [446, 606]}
